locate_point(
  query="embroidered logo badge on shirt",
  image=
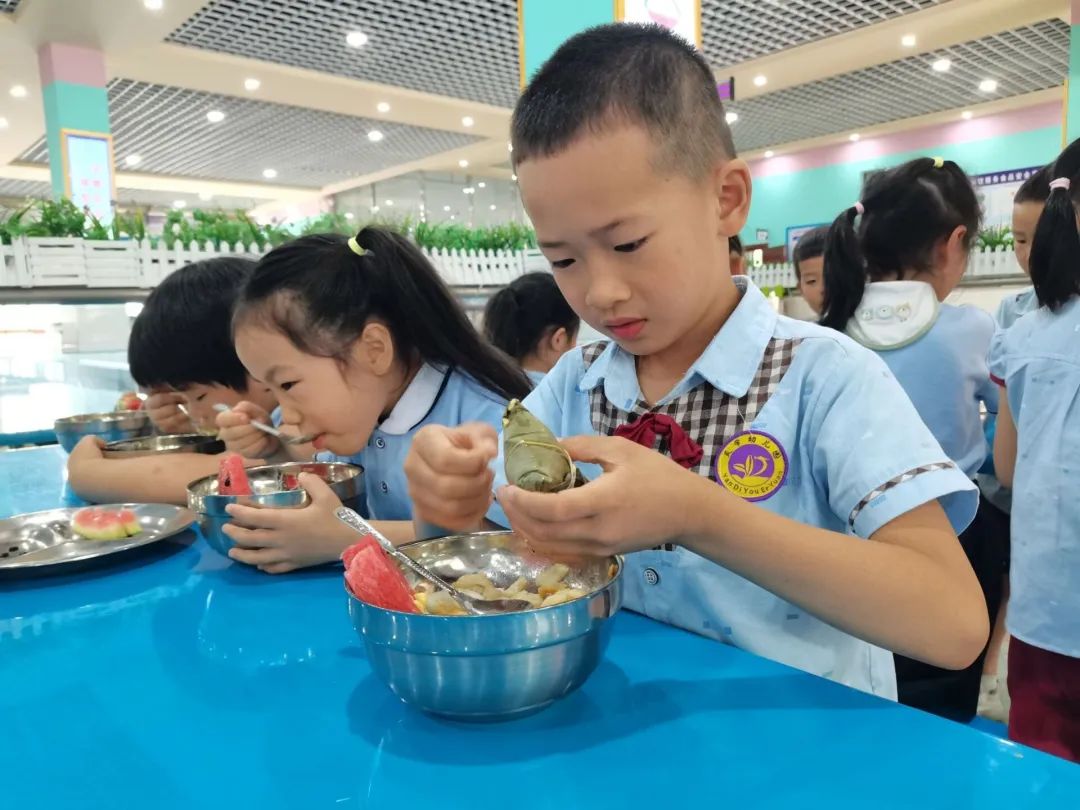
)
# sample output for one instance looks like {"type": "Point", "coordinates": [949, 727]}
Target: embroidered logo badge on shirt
{"type": "Point", "coordinates": [752, 465]}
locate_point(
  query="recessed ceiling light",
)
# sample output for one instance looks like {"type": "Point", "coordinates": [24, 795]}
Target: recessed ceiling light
{"type": "Point", "coordinates": [375, 136]}
{"type": "Point", "coordinates": [967, 115]}
{"type": "Point", "coordinates": [133, 160]}
{"type": "Point", "coordinates": [908, 40]}
{"type": "Point", "coordinates": [453, 216]}
{"type": "Point", "coordinates": [988, 85]}
{"type": "Point", "coordinates": [854, 136]}
{"type": "Point", "coordinates": [389, 203]}
{"type": "Point", "coordinates": [769, 153]}
{"type": "Point", "coordinates": [760, 81]}
{"type": "Point", "coordinates": [154, 5]}
{"type": "Point", "coordinates": [215, 116]}
{"type": "Point", "coordinates": [349, 215]}
{"type": "Point", "coordinates": [463, 164]}
{"type": "Point", "coordinates": [18, 91]}
{"type": "Point", "coordinates": [179, 204]}
{"type": "Point", "coordinates": [252, 84]}
{"type": "Point", "coordinates": [3, 123]}
{"type": "Point", "coordinates": [467, 121]}
{"type": "Point", "coordinates": [482, 184]}
{"type": "Point", "coordinates": [941, 65]}
{"type": "Point", "coordinates": [446, 208]}
{"type": "Point", "coordinates": [269, 174]}
{"type": "Point", "coordinates": [731, 116]}
{"type": "Point", "coordinates": [205, 196]}
{"type": "Point", "coordinates": [468, 190]}
{"type": "Point", "coordinates": [382, 107]}
{"type": "Point", "coordinates": [493, 206]}
{"type": "Point", "coordinates": [356, 39]}
{"type": "Point", "coordinates": [374, 209]}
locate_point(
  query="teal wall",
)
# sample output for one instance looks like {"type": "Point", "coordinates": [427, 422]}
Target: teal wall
{"type": "Point", "coordinates": [1072, 116]}
{"type": "Point", "coordinates": [549, 23]}
{"type": "Point", "coordinates": [71, 106]}
{"type": "Point", "coordinates": [818, 195]}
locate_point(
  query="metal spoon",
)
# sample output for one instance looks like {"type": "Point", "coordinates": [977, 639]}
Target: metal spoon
{"type": "Point", "coordinates": [285, 438]}
{"type": "Point", "coordinates": [477, 607]}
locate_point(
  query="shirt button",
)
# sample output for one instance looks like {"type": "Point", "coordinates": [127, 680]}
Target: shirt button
{"type": "Point", "coordinates": [384, 487]}
{"type": "Point", "coordinates": [651, 577]}
{"type": "Point", "coordinates": [380, 443]}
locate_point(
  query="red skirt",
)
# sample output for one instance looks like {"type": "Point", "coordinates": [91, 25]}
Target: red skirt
{"type": "Point", "coordinates": [1045, 690]}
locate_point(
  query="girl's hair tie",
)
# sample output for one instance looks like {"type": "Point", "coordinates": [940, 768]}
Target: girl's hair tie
{"type": "Point", "coordinates": [860, 209]}
{"type": "Point", "coordinates": [356, 247]}
{"type": "Point", "coordinates": [939, 163]}
{"type": "Point", "coordinates": [1060, 182]}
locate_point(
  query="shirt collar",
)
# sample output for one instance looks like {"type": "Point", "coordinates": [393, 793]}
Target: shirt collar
{"type": "Point", "coordinates": [416, 401]}
{"type": "Point", "coordinates": [729, 363]}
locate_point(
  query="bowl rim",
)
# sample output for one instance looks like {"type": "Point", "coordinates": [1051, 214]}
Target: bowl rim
{"type": "Point", "coordinates": [618, 559]}
{"type": "Point", "coordinates": [197, 501]}
{"type": "Point", "coordinates": [69, 422]}
{"type": "Point", "coordinates": [193, 439]}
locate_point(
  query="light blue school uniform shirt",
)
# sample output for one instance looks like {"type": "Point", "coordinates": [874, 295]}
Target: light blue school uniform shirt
{"type": "Point", "coordinates": [858, 456]}
{"type": "Point", "coordinates": [535, 376]}
{"type": "Point", "coordinates": [1038, 363]}
{"type": "Point", "coordinates": [434, 397]}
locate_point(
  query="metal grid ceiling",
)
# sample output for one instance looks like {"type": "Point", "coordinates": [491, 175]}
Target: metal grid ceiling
{"type": "Point", "coordinates": [167, 127]}
{"type": "Point", "coordinates": [735, 31]}
{"type": "Point", "coordinates": [33, 189]}
{"type": "Point", "coordinates": [446, 47]}
{"type": "Point", "coordinates": [8, 6]}
{"type": "Point", "coordinates": [1022, 61]}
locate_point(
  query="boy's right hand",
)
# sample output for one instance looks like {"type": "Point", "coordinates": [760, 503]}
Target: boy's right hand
{"type": "Point", "coordinates": [163, 408]}
{"type": "Point", "coordinates": [448, 473]}
{"type": "Point", "coordinates": [234, 428]}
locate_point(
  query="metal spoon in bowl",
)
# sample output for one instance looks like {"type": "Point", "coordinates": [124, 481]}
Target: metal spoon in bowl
{"type": "Point", "coordinates": [476, 607]}
{"type": "Point", "coordinates": [285, 438]}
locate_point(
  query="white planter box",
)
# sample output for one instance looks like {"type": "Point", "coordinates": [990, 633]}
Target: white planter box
{"type": "Point", "coordinates": [112, 264]}
{"type": "Point", "coordinates": [56, 262]}
{"type": "Point", "coordinates": [13, 270]}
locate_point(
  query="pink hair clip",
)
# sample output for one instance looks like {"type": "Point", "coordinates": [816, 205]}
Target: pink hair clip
{"type": "Point", "coordinates": [1060, 182]}
{"type": "Point", "coordinates": [860, 209]}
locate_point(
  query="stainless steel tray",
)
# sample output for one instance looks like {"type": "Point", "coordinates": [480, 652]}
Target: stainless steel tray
{"type": "Point", "coordinates": [35, 542]}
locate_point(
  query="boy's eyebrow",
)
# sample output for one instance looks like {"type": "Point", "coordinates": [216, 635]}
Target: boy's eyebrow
{"type": "Point", "coordinates": [596, 232]}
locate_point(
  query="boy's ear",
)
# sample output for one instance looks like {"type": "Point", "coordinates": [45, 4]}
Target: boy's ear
{"type": "Point", "coordinates": [732, 186]}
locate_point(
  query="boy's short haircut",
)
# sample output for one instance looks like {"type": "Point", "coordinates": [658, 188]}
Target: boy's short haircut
{"type": "Point", "coordinates": [735, 245]}
{"type": "Point", "coordinates": [626, 74]}
{"type": "Point", "coordinates": [810, 245]}
{"type": "Point", "coordinates": [183, 336]}
{"type": "Point", "coordinates": [1036, 188]}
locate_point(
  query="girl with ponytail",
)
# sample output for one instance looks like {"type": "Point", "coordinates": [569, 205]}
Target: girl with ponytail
{"type": "Point", "coordinates": [362, 344]}
{"type": "Point", "coordinates": [530, 321]}
{"type": "Point", "coordinates": [1036, 444]}
{"type": "Point", "coordinates": [890, 261]}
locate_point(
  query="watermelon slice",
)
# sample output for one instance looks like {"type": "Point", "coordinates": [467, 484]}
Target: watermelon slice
{"type": "Point", "coordinates": [129, 401]}
{"type": "Point", "coordinates": [376, 579]}
{"type": "Point", "coordinates": [290, 482]}
{"type": "Point", "coordinates": [232, 477]}
{"type": "Point", "coordinates": [96, 523]}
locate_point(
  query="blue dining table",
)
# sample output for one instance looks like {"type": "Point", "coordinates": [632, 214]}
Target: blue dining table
{"type": "Point", "coordinates": [176, 678]}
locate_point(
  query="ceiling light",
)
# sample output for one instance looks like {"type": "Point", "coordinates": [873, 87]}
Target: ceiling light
{"type": "Point", "coordinates": [731, 117]}
{"type": "Point", "coordinates": [18, 91]}
{"type": "Point", "coordinates": [269, 174]}
{"type": "Point", "coordinates": [482, 184]}
{"type": "Point", "coordinates": [133, 160]}
{"type": "Point", "coordinates": [463, 164]}
{"type": "Point", "coordinates": [374, 209]}
{"type": "Point", "coordinates": [154, 5]}
{"type": "Point", "coordinates": [446, 208]}
{"type": "Point", "coordinates": [389, 203]}
{"type": "Point", "coordinates": [349, 215]}
{"type": "Point", "coordinates": [769, 153]}
{"type": "Point", "coordinates": [3, 123]}
{"type": "Point", "coordinates": [760, 81]}
{"type": "Point", "coordinates": [941, 65]}
{"type": "Point", "coordinates": [468, 190]}
{"type": "Point", "coordinates": [382, 107]}
{"type": "Point", "coordinates": [179, 204]}
{"type": "Point", "coordinates": [251, 85]}
{"type": "Point", "coordinates": [967, 115]}
{"type": "Point", "coordinates": [205, 196]}
{"type": "Point", "coordinates": [988, 85]}
{"type": "Point", "coordinates": [513, 177]}
{"type": "Point", "coordinates": [453, 217]}
{"type": "Point", "coordinates": [215, 116]}
{"type": "Point", "coordinates": [509, 147]}
{"type": "Point", "coordinates": [908, 40]}
{"type": "Point", "coordinates": [854, 136]}
{"type": "Point", "coordinates": [493, 206]}
{"type": "Point", "coordinates": [375, 136]}
{"type": "Point", "coordinates": [356, 39]}
{"type": "Point", "coordinates": [467, 121]}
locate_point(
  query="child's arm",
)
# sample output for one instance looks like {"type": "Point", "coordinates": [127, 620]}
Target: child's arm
{"type": "Point", "coordinates": [160, 478]}
{"type": "Point", "coordinates": [911, 577]}
{"type": "Point", "coordinates": [1005, 442]}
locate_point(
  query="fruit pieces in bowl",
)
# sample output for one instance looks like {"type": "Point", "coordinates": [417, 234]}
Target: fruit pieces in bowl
{"type": "Point", "coordinates": [375, 578]}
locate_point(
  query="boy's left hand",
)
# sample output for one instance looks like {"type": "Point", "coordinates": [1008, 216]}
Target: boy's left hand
{"type": "Point", "coordinates": [281, 540]}
{"type": "Point", "coordinates": [643, 499]}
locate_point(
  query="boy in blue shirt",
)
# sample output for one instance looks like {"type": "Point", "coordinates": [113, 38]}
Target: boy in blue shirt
{"type": "Point", "coordinates": [782, 445]}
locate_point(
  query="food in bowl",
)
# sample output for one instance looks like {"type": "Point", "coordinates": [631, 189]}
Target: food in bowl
{"type": "Point", "coordinates": [548, 589]}
{"type": "Point", "coordinates": [376, 579]}
{"type": "Point", "coordinates": [129, 401]}
{"type": "Point", "coordinates": [232, 477]}
{"type": "Point", "coordinates": [98, 523]}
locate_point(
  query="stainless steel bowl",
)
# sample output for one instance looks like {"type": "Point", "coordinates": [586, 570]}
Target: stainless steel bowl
{"type": "Point", "coordinates": [346, 480]}
{"type": "Point", "coordinates": [111, 427]}
{"type": "Point", "coordinates": [491, 667]}
{"type": "Point", "coordinates": [177, 443]}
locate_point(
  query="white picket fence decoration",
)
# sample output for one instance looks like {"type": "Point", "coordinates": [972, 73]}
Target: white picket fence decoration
{"type": "Point", "coordinates": [33, 262]}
